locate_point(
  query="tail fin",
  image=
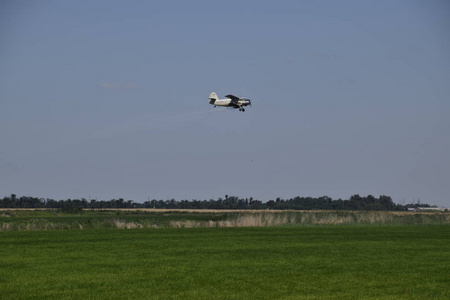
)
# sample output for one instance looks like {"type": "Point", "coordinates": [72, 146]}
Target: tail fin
{"type": "Point", "coordinates": [212, 98]}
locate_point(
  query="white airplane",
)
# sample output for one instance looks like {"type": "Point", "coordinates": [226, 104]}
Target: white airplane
{"type": "Point", "coordinates": [230, 101]}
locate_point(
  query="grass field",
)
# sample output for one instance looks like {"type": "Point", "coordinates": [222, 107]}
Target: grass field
{"type": "Point", "coordinates": [280, 262]}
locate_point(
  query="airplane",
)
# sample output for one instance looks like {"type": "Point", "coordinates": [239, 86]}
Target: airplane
{"type": "Point", "coordinates": [230, 101]}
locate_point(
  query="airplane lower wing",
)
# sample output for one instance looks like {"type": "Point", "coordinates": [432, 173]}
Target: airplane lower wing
{"type": "Point", "coordinates": [234, 100]}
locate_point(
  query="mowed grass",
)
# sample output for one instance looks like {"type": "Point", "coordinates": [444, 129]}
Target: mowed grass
{"type": "Point", "coordinates": [285, 262]}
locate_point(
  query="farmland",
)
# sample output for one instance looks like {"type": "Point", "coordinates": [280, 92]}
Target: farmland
{"type": "Point", "coordinates": [307, 257]}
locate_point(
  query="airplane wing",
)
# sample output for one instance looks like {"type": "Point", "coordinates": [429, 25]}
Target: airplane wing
{"type": "Point", "coordinates": [233, 98]}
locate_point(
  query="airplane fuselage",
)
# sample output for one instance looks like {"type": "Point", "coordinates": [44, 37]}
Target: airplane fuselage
{"type": "Point", "coordinates": [228, 102]}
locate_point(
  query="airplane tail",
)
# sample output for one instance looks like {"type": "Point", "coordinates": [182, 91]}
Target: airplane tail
{"type": "Point", "coordinates": [212, 98]}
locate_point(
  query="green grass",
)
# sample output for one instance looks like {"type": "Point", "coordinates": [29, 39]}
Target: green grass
{"type": "Point", "coordinates": [287, 262]}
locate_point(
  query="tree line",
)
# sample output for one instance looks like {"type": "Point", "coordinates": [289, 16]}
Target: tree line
{"type": "Point", "coordinates": [355, 202]}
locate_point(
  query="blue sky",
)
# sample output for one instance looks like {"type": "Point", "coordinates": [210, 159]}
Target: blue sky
{"type": "Point", "coordinates": [107, 99]}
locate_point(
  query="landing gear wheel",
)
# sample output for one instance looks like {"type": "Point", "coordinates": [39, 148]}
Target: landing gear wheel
{"type": "Point", "coordinates": [243, 109]}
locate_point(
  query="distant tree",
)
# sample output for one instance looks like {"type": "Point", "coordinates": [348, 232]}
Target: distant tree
{"type": "Point", "coordinates": [356, 202]}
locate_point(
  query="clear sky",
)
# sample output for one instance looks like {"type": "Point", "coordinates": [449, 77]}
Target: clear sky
{"type": "Point", "coordinates": [109, 99]}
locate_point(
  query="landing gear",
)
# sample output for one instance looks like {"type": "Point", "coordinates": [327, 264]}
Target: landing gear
{"type": "Point", "coordinates": [241, 109]}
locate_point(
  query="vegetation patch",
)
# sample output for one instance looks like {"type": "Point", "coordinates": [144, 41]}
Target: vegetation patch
{"type": "Point", "coordinates": [34, 220]}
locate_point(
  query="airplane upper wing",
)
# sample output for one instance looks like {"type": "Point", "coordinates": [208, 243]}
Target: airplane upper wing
{"type": "Point", "coordinates": [233, 98]}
